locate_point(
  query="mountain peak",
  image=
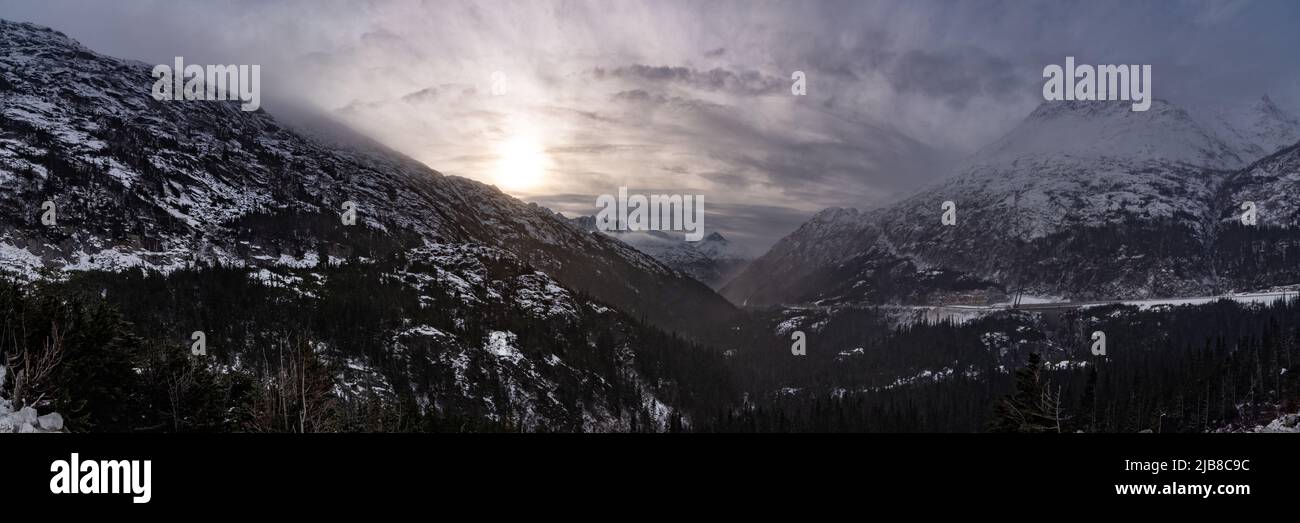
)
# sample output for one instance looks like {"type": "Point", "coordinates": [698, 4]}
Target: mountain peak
{"type": "Point", "coordinates": [12, 32]}
{"type": "Point", "coordinates": [1092, 109]}
{"type": "Point", "coordinates": [1265, 106]}
{"type": "Point", "coordinates": [1255, 129]}
{"type": "Point", "coordinates": [1086, 129]}
{"type": "Point", "coordinates": [832, 214]}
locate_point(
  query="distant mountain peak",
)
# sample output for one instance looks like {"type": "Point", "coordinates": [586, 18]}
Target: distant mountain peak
{"type": "Point", "coordinates": [1265, 106]}
{"type": "Point", "coordinates": [712, 260]}
{"type": "Point", "coordinates": [1092, 109]}
{"type": "Point", "coordinates": [1089, 129]}
{"type": "Point", "coordinates": [832, 214]}
{"type": "Point", "coordinates": [1255, 129]}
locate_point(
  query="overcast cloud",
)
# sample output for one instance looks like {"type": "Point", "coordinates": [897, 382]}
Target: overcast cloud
{"type": "Point", "coordinates": [694, 97]}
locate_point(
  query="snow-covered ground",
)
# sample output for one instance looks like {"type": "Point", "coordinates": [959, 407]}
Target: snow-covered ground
{"type": "Point", "coordinates": [25, 419]}
{"type": "Point", "coordinates": [1264, 298]}
{"type": "Point", "coordinates": [964, 313]}
{"type": "Point", "coordinates": [1283, 423]}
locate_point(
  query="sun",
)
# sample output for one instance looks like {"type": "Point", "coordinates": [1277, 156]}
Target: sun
{"type": "Point", "coordinates": [521, 163]}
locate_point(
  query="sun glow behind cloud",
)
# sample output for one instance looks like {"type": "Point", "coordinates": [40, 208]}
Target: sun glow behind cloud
{"type": "Point", "coordinates": [522, 162]}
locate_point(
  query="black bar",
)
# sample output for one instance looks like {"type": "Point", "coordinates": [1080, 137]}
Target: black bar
{"type": "Point", "coordinates": [898, 471]}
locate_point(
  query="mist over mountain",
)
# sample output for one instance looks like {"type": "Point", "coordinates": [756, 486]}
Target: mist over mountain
{"type": "Point", "coordinates": [712, 260]}
{"type": "Point", "coordinates": [1254, 130]}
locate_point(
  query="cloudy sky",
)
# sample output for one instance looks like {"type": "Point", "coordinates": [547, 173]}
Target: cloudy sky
{"type": "Point", "coordinates": [694, 97]}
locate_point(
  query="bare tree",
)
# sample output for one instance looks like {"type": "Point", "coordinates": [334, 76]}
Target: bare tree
{"type": "Point", "coordinates": [34, 370]}
{"type": "Point", "coordinates": [297, 394]}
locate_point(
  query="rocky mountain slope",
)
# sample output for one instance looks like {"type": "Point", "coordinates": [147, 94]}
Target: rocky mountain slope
{"type": "Point", "coordinates": [1081, 200]}
{"type": "Point", "coordinates": [160, 185]}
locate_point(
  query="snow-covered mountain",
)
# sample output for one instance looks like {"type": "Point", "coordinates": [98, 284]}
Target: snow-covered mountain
{"type": "Point", "coordinates": [1081, 200]}
{"type": "Point", "coordinates": [712, 260]}
{"type": "Point", "coordinates": [1263, 255]}
{"type": "Point", "coordinates": [1273, 184]}
{"type": "Point", "coordinates": [1255, 130]}
{"type": "Point", "coordinates": [1164, 133]}
{"type": "Point", "coordinates": [138, 182]}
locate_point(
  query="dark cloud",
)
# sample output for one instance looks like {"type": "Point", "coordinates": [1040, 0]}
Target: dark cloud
{"type": "Point", "coordinates": [743, 83]}
{"type": "Point", "coordinates": [957, 76]}
{"type": "Point", "coordinates": [734, 180]}
{"type": "Point", "coordinates": [427, 94]}
{"type": "Point", "coordinates": [640, 96]}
